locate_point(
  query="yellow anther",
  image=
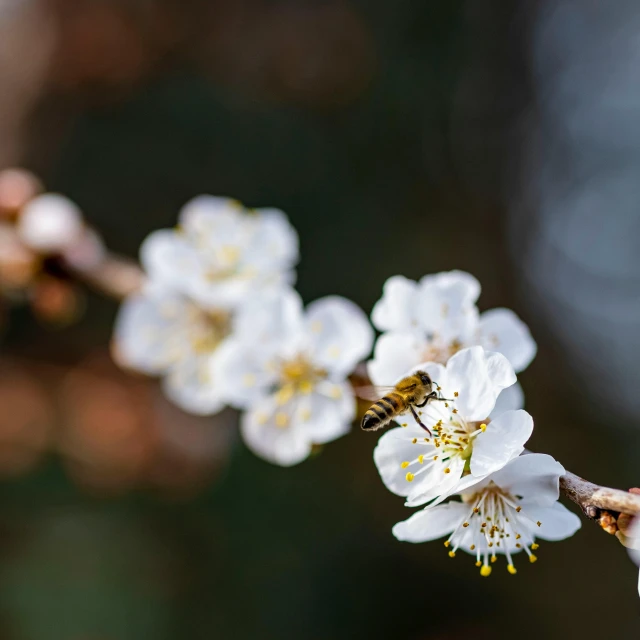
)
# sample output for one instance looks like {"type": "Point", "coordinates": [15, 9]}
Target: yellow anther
{"type": "Point", "coordinates": [455, 411]}
{"type": "Point", "coordinates": [518, 546]}
{"type": "Point", "coordinates": [511, 569]}
{"type": "Point", "coordinates": [435, 457]}
{"type": "Point", "coordinates": [421, 459]}
{"type": "Point", "coordinates": [438, 388]}
{"type": "Point", "coordinates": [493, 558]}
{"type": "Point", "coordinates": [446, 404]}
{"type": "Point", "coordinates": [490, 544]}
{"type": "Point", "coordinates": [532, 558]}
{"type": "Point", "coordinates": [483, 427]}
{"type": "Point", "coordinates": [248, 379]}
{"type": "Point", "coordinates": [447, 543]}
{"type": "Point", "coordinates": [284, 394]}
{"type": "Point", "coordinates": [409, 477]}
{"type": "Point", "coordinates": [414, 440]}
{"type": "Point", "coordinates": [447, 470]}
{"type": "Point", "coordinates": [479, 563]}
{"type": "Point", "coordinates": [306, 387]}
{"type": "Point", "coordinates": [539, 523]}
{"type": "Point", "coordinates": [476, 510]}
{"type": "Point", "coordinates": [465, 524]}
{"type": "Point", "coordinates": [518, 536]}
{"type": "Point", "coordinates": [472, 547]}
{"type": "Point", "coordinates": [404, 464]}
{"type": "Point", "coordinates": [452, 554]}
{"type": "Point", "coordinates": [483, 525]}
{"type": "Point", "coordinates": [485, 571]}
{"type": "Point", "coordinates": [535, 546]}
{"type": "Point", "coordinates": [426, 439]}
{"type": "Point", "coordinates": [404, 424]}
{"type": "Point", "coordinates": [518, 509]}
{"type": "Point", "coordinates": [282, 419]}
{"type": "Point", "coordinates": [262, 418]}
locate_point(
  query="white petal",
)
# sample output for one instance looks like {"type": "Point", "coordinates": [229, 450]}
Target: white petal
{"type": "Point", "coordinates": [431, 523]}
{"type": "Point", "coordinates": [501, 330]}
{"type": "Point", "coordinates": [632, 541]}
{"type": "Point", "coordinates": [270, 318]}
{"type": "Point", "coordinates": [242, 372]}
{"type": "Point", "coordinates": [327, 413]}
{"type": "Point", "coordinates": [503, 440]}
{"type": "Point", "coordinates": [394, 356]}
{"type": "Point", "coordinates": [446, 305]}
{"type": "Point", "coordinates": [191, 386]}
{"type": "Point", "coordinates": [440, 485]}
{"type": "Point", "coordinates": [146, 331]}
{"type": "Point", "coordinates": [168, 258]}
{"type": "Point", "coordinates": [275, 242]}
{"type": "Point", "coordinates": [284, 446]}
{"type": "Point", "coordinates": [396, 310]}
{"type": "Point", "coordinates": [210, 216]}
{"type": "Point", "coordinates": [557, 522]}
{"type": "Point", "coordinates": [394, 448]}
{"type": "Point", "coordinates": [533, 476]}
{"type": "Point", "coordinates": [510, 399]}
{"type": "Point", "coordinates": [478, 376]}
{"type": "Point", "coordinates": [339, 334]}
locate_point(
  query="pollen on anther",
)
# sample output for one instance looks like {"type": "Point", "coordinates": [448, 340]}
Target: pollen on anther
{"type": "Point", "coordinates": [455, 394]}
{"type": "Point", "coordinates": [535, 546]}
{"type": "Point", "coordinates": [476, 510]}
{"type": "Point", "coordinates": [435, 457]}
{"type": "Point", "coordinates": [414, 440]}
{"type": "Point", "coordinates": [518, 536]}
{"type": "Point", "coordinates": [532, 558]}
{"type": "Point", "coordinates": [465, 524]}
{"type": "Point", "coordinates": [452, 554]}
{"type": "Point", "coordinates": [446, 404]}
{"type": "Point", "coordinates": [409, 477]}
{"type": "Point", "coordinates": [404, 424]}
{"type": "Point", "coordinates": [494, 558]}
{"type": "Point", "coordinates": [472, 547]}
{"type": "Point", "coordinates": [485, 571]}
{"type": "Point", "coordinates": [404, 464]}
{"type": "Point", "coordinates": [483, 427]}
{"type": "Point", "coordinates": [421, 459]}
{"type": "Point", "coordinates": [447, 470]}
{"type": "Point", "coordinates": [447, 543]}
{"type": "Point", "coordinates": [479, 563]}
{"type": "Point", "coordinates": [455, 411]}
{"type": "Point", "coordinates": [518, 509]}
{"type": "Point", "coordinates": [539, 523]}
{"type": "Point", "coordinates": [511, 569]}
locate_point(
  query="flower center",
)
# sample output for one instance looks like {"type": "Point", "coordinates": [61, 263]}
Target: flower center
{"type": "Point", "coordinates": [437, 350]}
{"type": "Point", "coordinates": [495, 523]}
{"type": "Point", "coordinates": [452, 436]}
{"type": "Point", "coordinates": [208, 329]}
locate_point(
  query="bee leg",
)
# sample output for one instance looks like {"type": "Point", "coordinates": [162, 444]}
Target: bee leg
{"type": "Point", "coordinates": [434, 395]}
{"type": "Point", "coordinates": [417, 419]}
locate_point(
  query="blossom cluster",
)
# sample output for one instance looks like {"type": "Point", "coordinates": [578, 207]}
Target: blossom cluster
{"type": "Point", "coordinates": [469, 466]}
{"type": "Point", "coordinates": [219, 321]}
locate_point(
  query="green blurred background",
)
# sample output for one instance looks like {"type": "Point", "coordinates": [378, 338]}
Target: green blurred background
{"type": "Point", "coordinates": [389, 133]}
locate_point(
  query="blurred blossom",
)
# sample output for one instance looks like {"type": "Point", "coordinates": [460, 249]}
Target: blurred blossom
{"type": "Point", "coordinates": [288, 367]}
{"type": "Point", "coordinates": [579, 194]}
{"type": "Point", "coordinates": [219, 257]}
{"type": "Point", "coordinates": [503, 514]}
{"type": "Point", "coordinates": [17, 188]}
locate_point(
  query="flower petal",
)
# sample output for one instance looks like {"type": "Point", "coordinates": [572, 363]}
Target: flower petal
{"type": "Point", "coordinates": [394, 356]}
{"type": "Point", "coordinates": [268, 437]}
{"type": "Point", "coordinates": [396, 310]}
{"type": "Point", "coordinates": [327, 413]}
{"type": "Point", "coordinates": [205, 217]}
{"type": "Point", "coordinates": [557, 522]}
{"type": "Point", "coordinates": [534, 476]}
{"type": "Point", "coordinates": [478, 376]}
{"type": "Point", "coordinates": [339, 334]}
{"type": "Point", "coordinates": [501, 330]}
{"type": "Point", "coordinates": [431, 523]}
{"type": "Point", "coordinates": [274, 244]}
{"type": "Point", "coordinates": [169, 259]}
{"type": "Point", "coordinates": [146, 331]}
{"type": "Point", "coordinates": [438, 485]}
{"type": "Point", "coordinates": [446, 305]}
{"type": "Point", "coordinates": [242, 372]}
{"type": "Point", "coordinates": [503, 440]}
{"type": "Point", "coordinates": [394, 448]}
{"type": "Point", "coordinates": [510, 399]}
{"type": "Point", "coordinates": [190, 385]}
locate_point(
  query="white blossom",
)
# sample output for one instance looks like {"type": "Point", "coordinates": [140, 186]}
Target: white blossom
{"type": "Point", "coordinates": [164, 333]}
{"type": "Point", "coordinates": [288, 367]}
{"type": "Point", "coordinates": [431, 320]}
{"type": "Point", "coordinates": [50, 223]}
{"type": "Point", "coordinates": [632, 542]}
{"type": "Point", "coordinates": [503, 514]}
{"type": "Point", "coordinates": [221, 252]}
{"type": "Point", "coordinates": [465, 442]}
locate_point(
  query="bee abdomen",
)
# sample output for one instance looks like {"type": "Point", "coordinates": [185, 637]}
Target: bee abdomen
{"type": "Point", "coordinates": [382, 411]}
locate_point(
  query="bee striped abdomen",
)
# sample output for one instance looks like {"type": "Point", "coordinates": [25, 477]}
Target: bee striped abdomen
{"type": "Point", "coordinates": [382, 411]}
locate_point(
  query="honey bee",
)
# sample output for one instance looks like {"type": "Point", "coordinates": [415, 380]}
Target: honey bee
{"type": "Point", "coordinates": [413, 391]}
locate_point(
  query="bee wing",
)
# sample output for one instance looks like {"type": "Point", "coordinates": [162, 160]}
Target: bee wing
{"type": "Point", "coordinates": [372, 392]}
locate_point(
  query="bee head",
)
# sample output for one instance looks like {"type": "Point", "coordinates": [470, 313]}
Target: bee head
{"type": "Point", "coordinates": [424, 378]}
